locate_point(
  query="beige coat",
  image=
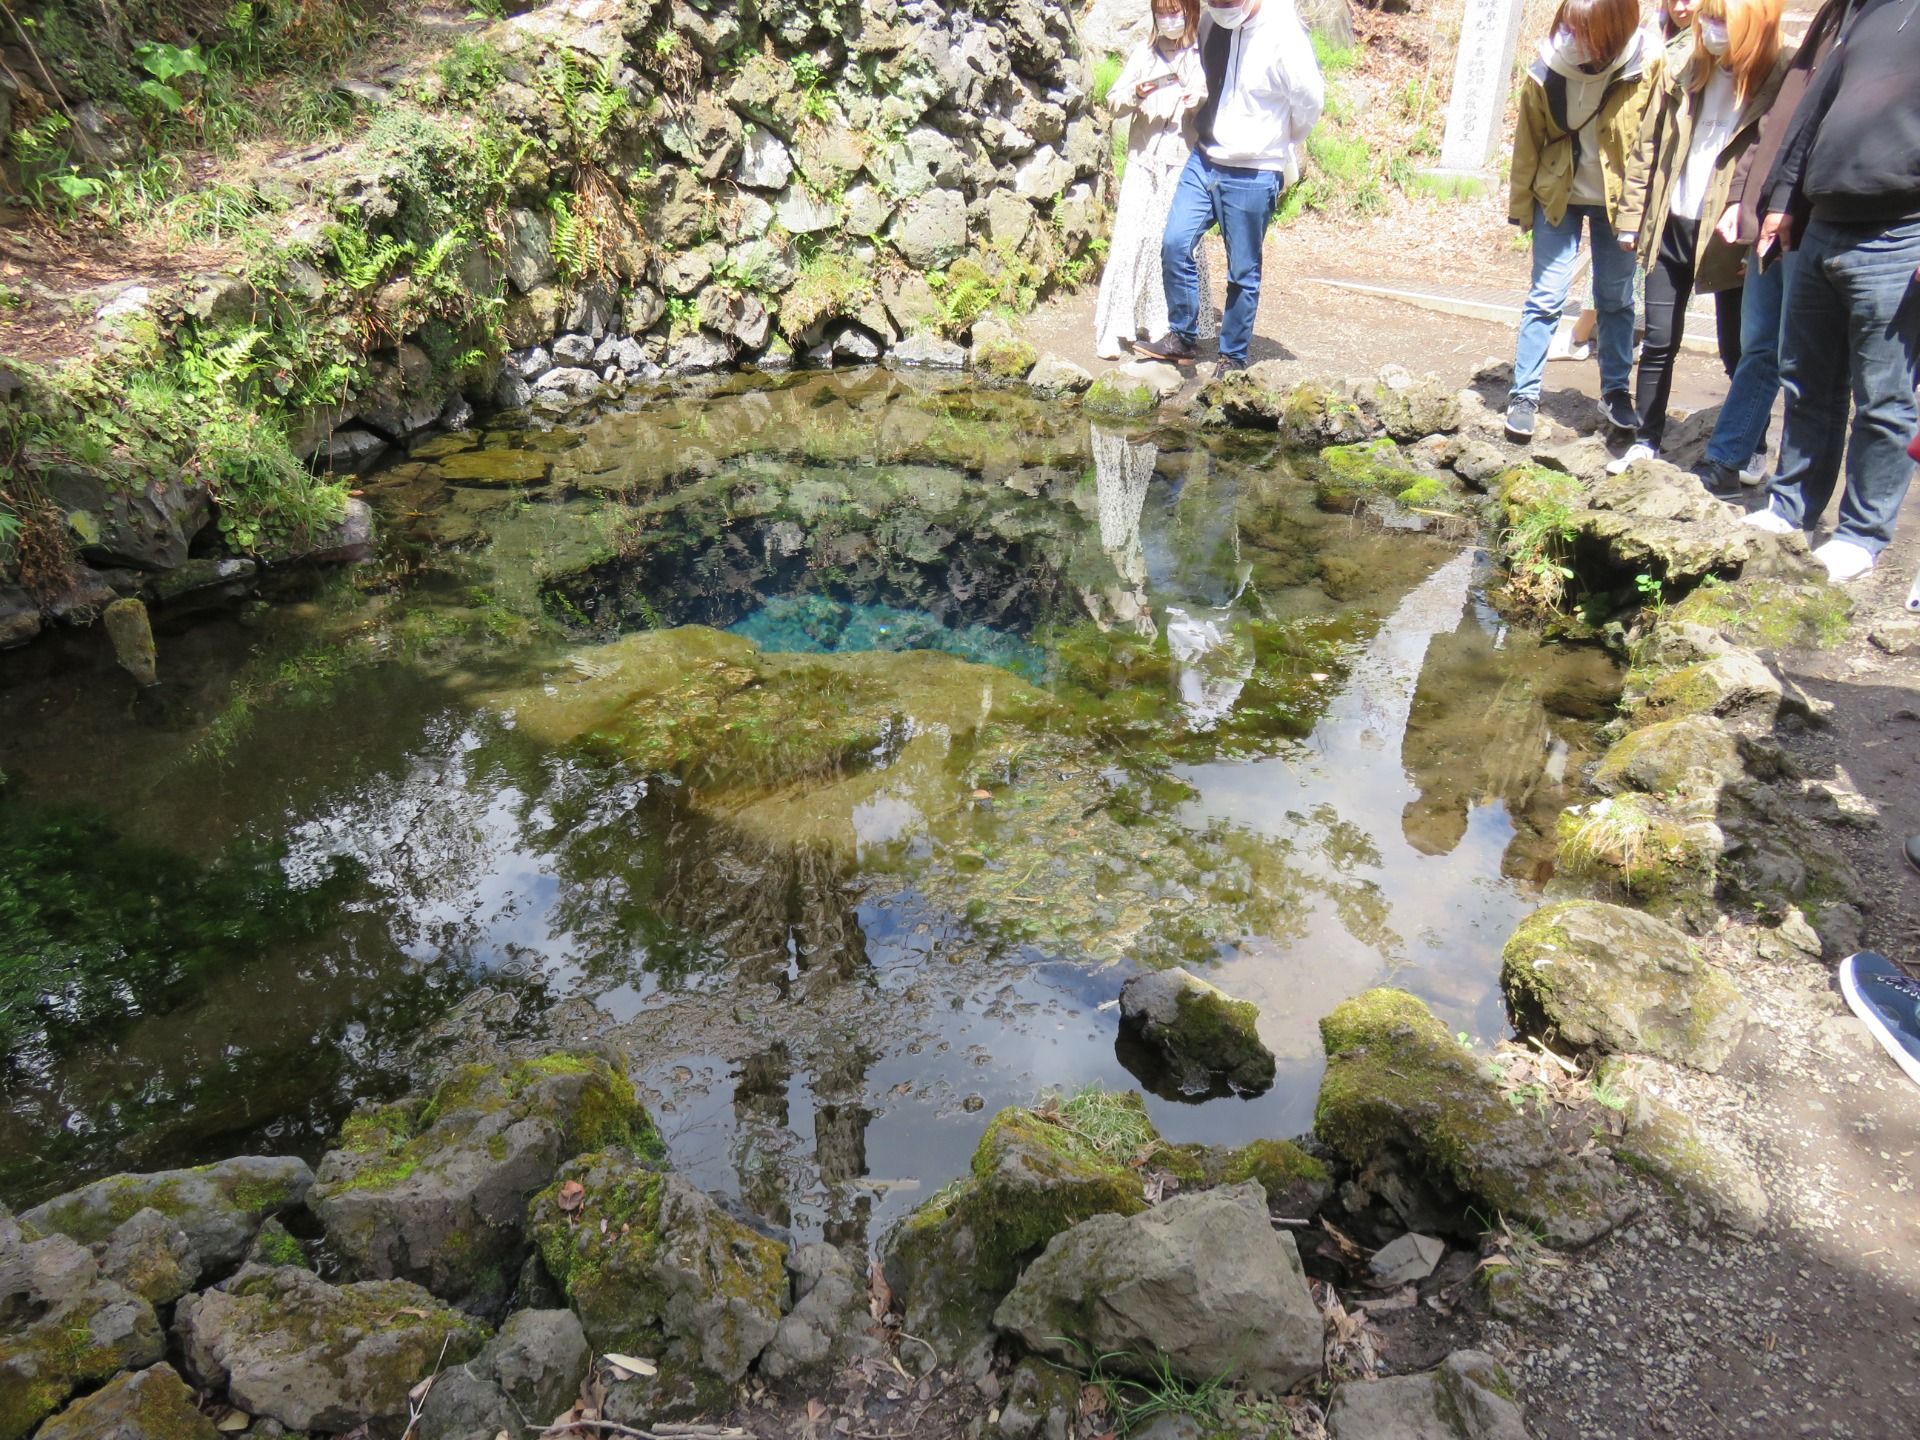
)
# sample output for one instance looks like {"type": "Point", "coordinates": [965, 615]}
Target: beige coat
{"type": "Point", "coordinates": [1543, 152]}
{"type": "Point", "coordinates": [1665, 135]}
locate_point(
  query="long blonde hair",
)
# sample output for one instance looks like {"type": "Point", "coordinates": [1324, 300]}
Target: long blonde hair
{"type": "Point", "coordinates": [1753, 44]}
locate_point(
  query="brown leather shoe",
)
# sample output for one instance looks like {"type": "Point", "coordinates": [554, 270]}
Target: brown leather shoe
{"type": "Point", "coordinates": [1169, 347]}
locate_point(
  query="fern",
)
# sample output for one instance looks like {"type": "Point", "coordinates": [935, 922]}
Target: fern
{"type": "Point", "coordinates": [365, 261]}
{"type": "Point", "coordinates": [219, 367]}
{"type": "Point", "coordinates": [428, 266]}
{"type": "Point", "coordinates": [574, 245]}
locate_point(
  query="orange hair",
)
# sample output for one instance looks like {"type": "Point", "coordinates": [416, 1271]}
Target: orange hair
{"type": "Point", "coordinates": [1753, 43]}
{"type": "Point", "coordinates": [1601, 28]}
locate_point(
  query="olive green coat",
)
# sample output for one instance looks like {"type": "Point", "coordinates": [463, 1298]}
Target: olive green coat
{"type": "Point", "coordinates": [1665, 135]}
{"type": "Point", "coordinates": [1543, 152]}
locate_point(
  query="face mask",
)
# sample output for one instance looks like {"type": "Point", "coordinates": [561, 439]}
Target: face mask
{"type": "Point", "coordinates": [1227, 17]}
{"type": "Point", "coordinates": [1170, 26]}
{"type": "Point", "coordinates": [1565, 46]}
{"type": "Point", "coordinates": [1713, 37]}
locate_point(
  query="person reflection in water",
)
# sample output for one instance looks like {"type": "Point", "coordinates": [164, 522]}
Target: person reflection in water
{"type": "Point", "coordinates": [1211, 663]}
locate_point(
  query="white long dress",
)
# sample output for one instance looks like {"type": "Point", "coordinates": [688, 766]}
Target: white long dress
{"type": "Point", "coordinates": [1133, 297]}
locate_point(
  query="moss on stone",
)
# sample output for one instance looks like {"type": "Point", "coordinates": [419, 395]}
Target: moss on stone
{"type": "Point", "coordinates": [1280, 1166]}
{"type": "Point", "coordinates": [276, 1245]}
{"type": "Point", "coordinates": [1399, 1089]}
{"type": "Point", "coordinates": [1120, 396]}
{"type": "Point", "coordinates": [1633, 841]}
{"type": "Point", "coordinates": [1767, 611]}
{"type": "Point", "coordinates": [1004, 357]}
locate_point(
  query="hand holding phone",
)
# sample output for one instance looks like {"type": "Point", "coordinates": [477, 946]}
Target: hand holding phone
{"type": "Point", "coordinates": [1158, 82]}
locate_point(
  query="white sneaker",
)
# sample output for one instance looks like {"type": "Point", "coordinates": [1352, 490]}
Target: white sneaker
{"type": "Point", "coordinates": [1771, 521]}
{"type": "Point", "coordinates": [1758, 470]}
{"type": "Point", "coordinates": [1845, 561]}
{"type": "Point", "coordinates": [1635, 452]}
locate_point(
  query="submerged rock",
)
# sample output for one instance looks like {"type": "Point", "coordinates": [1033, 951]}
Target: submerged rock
{"type": "Point", "coordinates": [653, 1267]}
{"type": "Point", "coordinates": [152, 1404]}
{"type": "Point", "coordinates": [66, 1325]}
{"type": "Point", "coordinates": [1617, 979]}
{"type": "Point", "coordinates": [1201, 1282]}
{"type": "Point", "coordinates": [218, 1207]}
{"type": "Point", "coordinates": [1469, 1397]}
{"type": "Point", "coordinates": [952, 1259]}
{"type": "Point", "coordinates": [435, 1189]}
{"type": "Point", "coordinates": [287, 1345]}
{"type": "Point", "coordinates": [132, 635]}
{"type": "Point", "coordinates": [1207, 1038]}
{"type": "Point", "coordinates": [1410, 1107]}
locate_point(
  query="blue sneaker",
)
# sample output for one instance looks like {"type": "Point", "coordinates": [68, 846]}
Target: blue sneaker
{"type": "Point", "coordinates": [1888, 999]}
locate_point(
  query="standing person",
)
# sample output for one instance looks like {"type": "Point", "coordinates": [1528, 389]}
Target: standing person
{"type": "Point", "coordinates": [1851, 165]}
{"type": "Point", "coordinates": [1264, 94]}
{"type": "Point", "coordinates": [1580, 115]}
{"type": "Point", "coordinates": [1703, 117]}
{"type": "Point", "coordinates": [1157, 92]}
{"type": "Point", "coordinates": [1737, 448]}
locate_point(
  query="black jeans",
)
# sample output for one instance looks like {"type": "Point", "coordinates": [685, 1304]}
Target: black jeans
{"type": "Point", "coordinates": [1669, 288]}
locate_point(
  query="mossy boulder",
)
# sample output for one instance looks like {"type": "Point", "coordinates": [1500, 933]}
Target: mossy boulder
{"type": "Point", "coordinates": [1733, 683]}
{"type": "Point", "coordinates": [1713, 1180]}
{"type": "Point", "coordinates": [434, 1189]}
{"type": "Point", "coordinates": [1207, 1040]}
{"type": "Point", "coordinates": [1411, 407]}
{"type": "Point", "coordinates": [151, 1404]}
{"type": "Point", "coordinates": [1352, 475]}
{"type": "Point", "coordinates": [1663, 856]}
{"type": "Point", "coordinates": [1296, 1184]}
{"type": "Point", "coordinates": [218, 1207]}
{"type": "Point", "coordinates": [653, 1267]}
{"type": "Point", "coordinates": [1120, 396]}
{"type": "Point", "coordinates": [1415, 1112]}
{"type": "Point", "coordinates": [1692, 756]}
{"type": "Point", "coordinates": [151, 1256]}
{"type": "Point", "coordinates": [1469, 1397]}
{"type": "Point", "coordinates": [286, 1345]}
{"type": "Point", "coordinates": [1769, 610]}
{"type": "Point", "coordinates": [1200, 1284]}
{"type": "Point", "coordinates": [1606, 977]}
{"type": "Point", "coordinates": [998, 354]}
{"type": "Point", "coordinates": [1306, 415]}
{"type": "Point", "coordinates": [67, 1326]}
{"type": "Point", "coordinates": [1032, 1177]}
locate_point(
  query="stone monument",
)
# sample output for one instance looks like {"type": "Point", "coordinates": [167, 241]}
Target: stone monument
{"type": "Point", "coordinates": [1482, 71]}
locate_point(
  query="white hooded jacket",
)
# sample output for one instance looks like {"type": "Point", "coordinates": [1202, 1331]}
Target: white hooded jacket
{"type": "Point", "coordinates": [1273, 92]}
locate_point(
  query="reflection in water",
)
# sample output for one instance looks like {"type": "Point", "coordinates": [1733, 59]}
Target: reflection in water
{"type": "Point", "coordinates": [838, 906]}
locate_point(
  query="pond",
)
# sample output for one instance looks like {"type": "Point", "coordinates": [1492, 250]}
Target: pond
{"type": "Point", "coordinates": [835, 745]}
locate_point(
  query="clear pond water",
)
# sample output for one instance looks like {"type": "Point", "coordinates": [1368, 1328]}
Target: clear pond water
{"type": "Point", "coordinates": [835, 746]}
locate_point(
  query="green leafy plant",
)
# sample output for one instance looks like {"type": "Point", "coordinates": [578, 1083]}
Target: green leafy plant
{"type": "Point", "coordinates": [167, 67]}
{"type": "Point", "coordinates": [1106, 70]}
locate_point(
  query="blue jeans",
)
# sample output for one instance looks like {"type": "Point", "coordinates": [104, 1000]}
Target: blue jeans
{"type": "Point", "coordinates": [1756, 379]}
{"type": "Point", "coordinates": [1555, 248]}
{"type": "Point", "coordinates": [1852, 316]}
{"type": "Point", "coordinates": [1241, 203]}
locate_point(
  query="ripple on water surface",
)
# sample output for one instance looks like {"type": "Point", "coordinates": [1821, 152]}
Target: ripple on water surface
{"type": "Point", "coordinates": [837, 746]}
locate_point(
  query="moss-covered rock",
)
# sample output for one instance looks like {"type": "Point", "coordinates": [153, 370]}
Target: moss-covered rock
{"type": "Point", "coordinates": [1120, 396]}
{"type": "Point", "coordinates": [1352, 475]}
{"type": "Point", "coordinates": [1033, 1176]}
{"type": "Point", "coordinates": [1469, 1397]}
{"type": "Point", "coordinates": [1769, 611]}
{"type": "Point", "coordinates": [1733, 683]}
{"type": "Point", "coordinates": [1404, 1103]}
{"type": "Point", "coordinates": [152, 1257]}
{"type": "Point", "coordinates": [998, 354]}
{"type": "Point", "coordinates": [67, 1327]}
{"type": "Point", "coordinates": [152, 1404]}
{"type": "Point", "coordinates": [218, 1207]}
{"type": "Point", "coordinates": [1610, 978]}
{"type": "Point", "coordinates": [434, 1189]}
{"type": "Point", "coordinates": [653, 1267]}
{"type": "Point", "coordinates": [1305, 415]}
{"type": "Point", "coordinates": [277, 1245]}
{"type": "Point", "coordinates": [1692, 756]}
{"type": "Point", "coordinates": [1297, 1184]}
{"type": "Point", "coordinates": [287, 1345]}
{"type": "Point", "coordinates": [1206, 1039]}
{"type": "Point", "coordinates": [1663, 856]}
{"type": "Point", "coordinates": [1713, 1180]}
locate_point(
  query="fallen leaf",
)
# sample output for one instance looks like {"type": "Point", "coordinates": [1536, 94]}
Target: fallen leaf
{"type": "Point", "coordinates": [419, 1392]}
{"type": "Point", "coordinates": [879, 1293]}
{"type": "Point", "coordinates": [572, 1195]}
{"type": "Point", "coordinates": [816, 1411]}
{"type": "Point", "coordinates": [625, 1367]}
{"type": "Point", "coordinates": [983, 794]}
{"type": "Point", "coordinates": [233, 1422]}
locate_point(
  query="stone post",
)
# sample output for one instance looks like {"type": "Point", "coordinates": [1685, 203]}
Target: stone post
{"type": "Point", "coordinates": [1482, 70]}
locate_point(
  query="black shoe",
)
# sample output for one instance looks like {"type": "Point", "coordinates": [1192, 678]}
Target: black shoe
{"type": "Point", "coordinates": [1225, 366]}
{"type": "Point", "coordinates": [1520, 417]}
{"type": "Point", "coordinates": [1721, 480]}
{"type": "Point", "coordinates": [1616, 408]}
{"type": "Point", "coordinates": [1171, 348]}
